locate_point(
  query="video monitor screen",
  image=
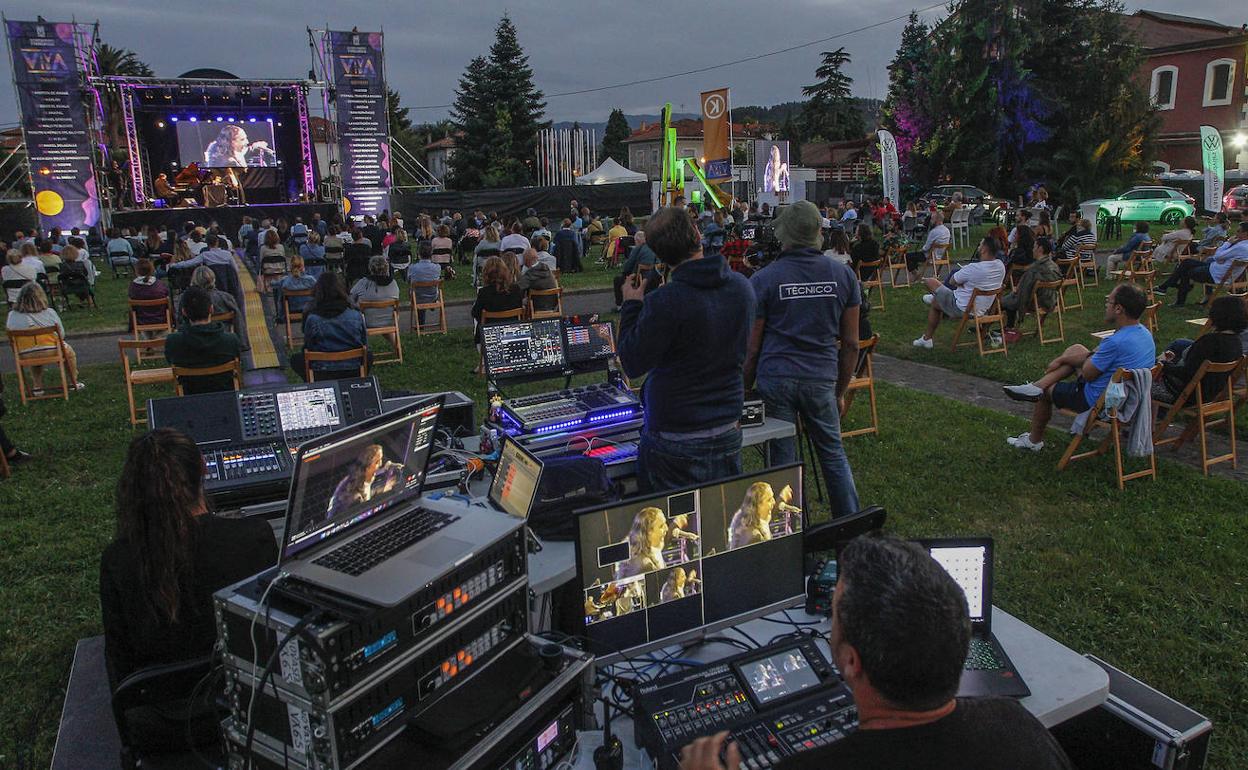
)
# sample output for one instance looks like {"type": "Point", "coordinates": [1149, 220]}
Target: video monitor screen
{"type": "Point", "coordinates": [214, 144]}
{"type": "Point", "coordinates": [656, 568]}
{"type": "Point", "coordinates": [532, 347]}
{"type": "Point", "coordinates": [778, 676]}
{"type": "Point", "coordinates": [516, 481]}
{"type": "Point", "coordinates": [350, 476]}
{"type": "Point", "coordinates": [308, 409]}
{"type": "Point", "coordinates": [968, 565]}
{"type": "Point", "coordinates": [589, 342]}
{"type": "Point", "coordinates": [771, 166]}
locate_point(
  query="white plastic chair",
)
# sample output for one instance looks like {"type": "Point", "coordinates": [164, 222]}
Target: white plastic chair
{"type": "Point", "coordinates": [960, 223]}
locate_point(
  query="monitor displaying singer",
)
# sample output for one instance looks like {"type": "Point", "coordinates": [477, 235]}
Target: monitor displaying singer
{"type": "Point", "coordinates": [232, 148]}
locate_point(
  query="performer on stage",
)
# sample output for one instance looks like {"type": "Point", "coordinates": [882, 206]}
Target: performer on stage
{"type": "Point", "coordinates": [370, 476]}
{"type": "Point", "coordinates": [752, 523]}
{"type": "Point", "coordinates": [232, 148]}
{"type": "Point", "coordinates": [645, 544]}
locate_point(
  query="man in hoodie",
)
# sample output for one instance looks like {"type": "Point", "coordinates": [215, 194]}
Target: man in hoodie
{"type": "Point", "coordinates": [538, 276]}
{"type": "Point", "coordinates": [689, 338]}
{"type": "Point", "coordinates": [202, 342]}
{"type": "Point", "coordinates": [804, 345]}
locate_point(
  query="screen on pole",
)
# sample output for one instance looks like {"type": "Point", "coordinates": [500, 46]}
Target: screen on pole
{"type": "Point", "coordinates": [771, 167]}
{"type": "Point", "coordinates": [222, 145]}
{"type": "Point", "coordinates": [363, 125]}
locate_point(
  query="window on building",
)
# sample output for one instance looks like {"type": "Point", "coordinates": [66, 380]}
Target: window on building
{"type": "Point", "coordinates": [1165, 83]}
{"type": "Point", "coordinates": [1219, 77]}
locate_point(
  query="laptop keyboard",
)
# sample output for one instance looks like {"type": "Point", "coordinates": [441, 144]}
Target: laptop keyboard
{"type": "Point", "coordinates": [983, 657]}
{"type": "Point", "coordinates": [365, 552]}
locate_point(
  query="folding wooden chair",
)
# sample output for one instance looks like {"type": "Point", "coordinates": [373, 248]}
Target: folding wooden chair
{"type": "Point", "coordinates": [309, 356]}
{"type": "Point", "coordinates": [1221, 406]}
{"type": "Point", "coordinates": [863, 379]}
{"type": "Point", "coordinates": [1112, 439]}
{"type": "Point", "coordinates": [51, 353]}
{"type": "Point", "coordinates": [556, 312]}
{"type": "Point", "coordinates": [1234, 282]}
{"type": "Point", "coordinates": [232, 367]}
{"type": "Point", "coordinates": [1148, 319]}
{"type": "Point", "coordinates": [982, 322]}
{"type": "Point", "coordinates": [292, 315]}
{"type": "Point", "coordinates": [1086, 256]}
{"type": "Point", "coordinates": [438, 305]}
{"type": "Point", "coordinates": [136, 376]}
{"type": "Point", "coordinates": [875, 282]}
{"type": "Point", "coordinates": [1071, 279]}
{"type": "Point", "coordinates": [938, 257]}
{"type": "Point", "coordinates": [1042, 315]}
{"type": "Point", "coordinates": [390, 332]}
{"type": "Point", "coordinates": [896, 258]}
{"type": "Point", "coordinates": [161, 327]}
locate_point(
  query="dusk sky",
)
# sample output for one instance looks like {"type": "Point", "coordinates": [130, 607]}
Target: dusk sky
{"type": "Point", "coordinates": [590, 44]}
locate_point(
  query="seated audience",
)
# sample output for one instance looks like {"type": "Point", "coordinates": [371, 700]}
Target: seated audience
{"type": "Point", "coordinates": [541, 244]}
{"type": "Point", "coordinates": [865, 249]}
{"type": "Point", "coordinates": [1212, 269]}
{"type": "Point", "coordinates": [1130, 347]}
{"type": "Point", "coordinates": [145, 286]}
{"type": "Point", "coordinates": [537, 275]}
{"type": "Point", "coordinates": [641, 256]}
{"type": "Point", "coordinates": [441, 247]}
{"type": "Point", "coordinates": [497, 293]}
{"type": "Point", "coordinates": [1167, 249]}
{"type": "Point", "coordinates": [331, 324]}
{"type": "Point", "coordinates": [1214, 234]}
{"type": "Point", "coordinates": [1228, 318]}
{"type": "Point", "coordinates": [31, 311]}
{"type": "Point", "coordinates": [313, 255]}
{"type": "Point", "coordinates": [16, 270]}
{"type": "Point", "coordinates": [937, 234]}
{"type": "Point", "coordinates": [489, 246]}
{"type": "Point", "coordinates": [838, 247]}
{"type": "Point", "coordinates": [1021, 247]}
{"type": "Point", "coordinates": [201, 342]}
{"type": "Point", "coordinates": [222, 302]}
{"type": "Point", "coordinates": [297, 280]}
{"type": "Point", "coordinates": [986, 275]}
{"type": "Point", "coordinates": [1043, 269]}
{"type": "Point", "coordinates": [899, 638]}
{"type": "Point", "coordinates": [424, 270]}
{"type": "Point", "coordinates": [119, 250]}
{"type": "Point", "coordinates": [379, 285]}
{"type": "Point", "coordinates": [168, 556]}
{"type": "Point", "coordinates": [1078, 237]}
{"type": "Point", "coordinates": [1139, 240]}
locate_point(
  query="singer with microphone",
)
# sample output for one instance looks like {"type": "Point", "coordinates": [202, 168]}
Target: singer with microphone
{"type": "Point", "coordinates": [233, 149]}
{"type": "Point", "coordinates": [752, 523]}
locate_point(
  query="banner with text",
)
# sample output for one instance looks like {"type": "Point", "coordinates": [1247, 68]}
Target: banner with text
{"type": "Point", "coordinates": [717, 155]}
{"type": "Point", "coordinates": [54, 124]}
{"type": "Point", "coordinates": [363, 124]}
{"type": "Point", "coordinates": [1214, 165]}
{"type": "Point", "coordinates": [889, 168]}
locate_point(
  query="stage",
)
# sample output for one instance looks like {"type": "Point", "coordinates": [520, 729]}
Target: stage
{"type": "Point", "coordinates": [230, 218]}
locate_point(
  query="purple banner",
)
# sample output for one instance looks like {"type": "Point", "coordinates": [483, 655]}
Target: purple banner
{"type": "Point", "coordinates": [54, 122]}
{"type": "Point", "coordinates": [363, 122]}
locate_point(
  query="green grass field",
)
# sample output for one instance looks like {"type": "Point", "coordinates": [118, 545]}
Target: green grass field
{"type": "Point", "coordinates": [1150, 579]}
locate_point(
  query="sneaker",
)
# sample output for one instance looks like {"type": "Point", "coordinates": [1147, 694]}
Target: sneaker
{"type": "Point", "coordinates": [927, 299]}
{"type": "Point", "coordinates": [1161, 290]}
{"type": "Point", "coordinates": [1027, 392]}
{"type": "Point", "coordinates": [19, 456]}
{"type": "Point", "coordinates": [80, 386]}
{"type": "Point", "coordinates": [994, 339]}
{"type": "Point", "coordinates": [922, 342]}
{"type": "Point", "coordinates": [1023, 441]}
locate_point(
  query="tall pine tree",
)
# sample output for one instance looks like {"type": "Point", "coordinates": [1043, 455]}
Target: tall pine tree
{"type": "Point", "coordinates": [613, 137]}
{"type": "Point", "coordinates": [905, 111]}
{"type": "Point", "coordinates": [473, 117]}
{"type": "Point", "coordinates": [830, 114]}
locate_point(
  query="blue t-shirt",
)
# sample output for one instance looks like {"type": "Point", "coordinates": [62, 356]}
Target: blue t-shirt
{"type": "Point", "coordinates": [801, 296]}
{"type": "Point", "coordinates": [1131, 347]}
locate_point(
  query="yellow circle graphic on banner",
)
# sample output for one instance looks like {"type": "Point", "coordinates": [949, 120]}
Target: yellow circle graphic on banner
{"type": "Point", "coordinates": [346, 205]}
{"type": "Point", "coordinates": [49, 203]}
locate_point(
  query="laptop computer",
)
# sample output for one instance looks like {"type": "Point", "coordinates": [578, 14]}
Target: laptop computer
{"type": "Point", "coordinates": [516, 481]}
{"type": "Point", "coordinates": [988, 670]}
{"type": "Point", "coordinates": [352, 524]}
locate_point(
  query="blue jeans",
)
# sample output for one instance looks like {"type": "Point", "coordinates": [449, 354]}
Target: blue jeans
{"type": "Point", "coordinates": [663, 465]}
{"type": "Point", "coordinates": [815, 401]}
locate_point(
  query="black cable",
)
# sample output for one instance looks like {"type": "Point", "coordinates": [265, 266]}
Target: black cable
{"type": "Point", "coordinates": [268, 674]}
{"type": "Point", "coordinates": [711, 67]}
{"type": "Point", "coordinates": [751, 639]}
{"type": "Point", "coordinates": [190, 716]}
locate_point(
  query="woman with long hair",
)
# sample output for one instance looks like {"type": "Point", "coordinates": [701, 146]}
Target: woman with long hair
{"type": "Point", "coordinates": [752, 521]}
{"type": "Point", "coordinates": [331, 324]}
{"type": "Point", "coordinates": [839, 247]}
{"type": "Point", "coordinates": [31, 311]}
{"type": "Point", "coordinates": [370, 475]}
{"type": "Point", "coordinates": [498, 293]}
{"type": "Point", "coordinates": [645, 544]}
{"type": "Point", "coordinates": [169, 555]}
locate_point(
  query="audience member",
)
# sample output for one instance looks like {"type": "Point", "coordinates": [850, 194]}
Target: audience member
{"type": "Point", "coordinates": [693, 389]}
{"type": "Point", "coordinates": [16, 270]}
{"type": "Point", "coordinates": [538, 276]}
{"type": "Point", "coordinates": [201, 342]}
{"type": "Point", "coordinates": [31, 311]}
{"type": "Point", "coordinates": [313, 255]}
{"type": "Point", "coordinates": [804, 346]}
{"type": "Point", "coordinates": [1166, 249]}
{"type": "Point", "coordinates": [424, 270]}
{"type": "Point", "coordinates": [378, 286]}
{"type": "Point", "coordinates": [297, 279]}
{"type": "Point", "coordinates": [1214, 234]}
{"type": "Point", "coordinates": [1130, 347]}
{"type": "Point", "coordinates": [145, 286]}
{"type": "Point", "coordinates": [865, 249]}
{"type": "Point", "coordinates": [1228, 318]}
{"type": "Point", "coordinates": [1212, 269]}
{"type": "Point", "coordinates": [1043, 269]}
{"type": "Point", "coordinates": [986, 275]}
{"type": "Point", "coordinates": [938, 234]}
{"type": "Point", "coordinates": [1139, 240]}
{"type": "Point", "coordinates": [331, 324]}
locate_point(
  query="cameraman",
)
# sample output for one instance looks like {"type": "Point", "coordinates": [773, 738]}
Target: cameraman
{"type": "Point", "coordinates": [804, 345]}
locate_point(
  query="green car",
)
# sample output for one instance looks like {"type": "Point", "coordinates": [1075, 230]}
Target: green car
{"type": "Point", "coordinates": [1147, 204]}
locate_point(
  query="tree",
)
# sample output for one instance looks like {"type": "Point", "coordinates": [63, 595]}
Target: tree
{"type": "Point", "coordinates": [613, 137]}
{"type": "Point", "coordinates": [831, 114]}
{"type": "Point", "coordinates": [473, 118]}
{"type": "Point", "coordinates": [905, 111]}
{"type": "Point", "coordinates": [117, 61]}
{"type": "Point", "coordinates": [399, 121]}
{"type": "Point", "coordinates": [792, 133]}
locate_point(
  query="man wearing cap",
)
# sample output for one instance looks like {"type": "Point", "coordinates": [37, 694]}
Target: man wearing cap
{"type": "Point", "coordinates": [804, 345]}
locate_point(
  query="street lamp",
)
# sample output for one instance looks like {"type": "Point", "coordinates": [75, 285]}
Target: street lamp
{"type": "Point", "coordinates": [1240, 139]}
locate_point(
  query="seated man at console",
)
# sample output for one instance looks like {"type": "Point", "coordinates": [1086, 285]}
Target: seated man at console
{"type": "Point", "coordinates": [900, 634]}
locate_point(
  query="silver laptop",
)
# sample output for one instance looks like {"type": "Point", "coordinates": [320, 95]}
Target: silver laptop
{"type": "Point", "coordinates": [353, 525]}
{"type": "Point", "coordinates": [516, 481]}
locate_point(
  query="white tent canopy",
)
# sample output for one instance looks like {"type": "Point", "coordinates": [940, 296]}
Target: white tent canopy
{"type": "Point", "coordinates": [610, 172]}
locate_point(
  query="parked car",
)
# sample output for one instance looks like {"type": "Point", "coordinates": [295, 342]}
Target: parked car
{"type": "Point", "coordinates": [1152, 203]}
{"type": "Point", "coordinates": [1236, 199]}
{"type": "Point", "coordinates": [998, 208]}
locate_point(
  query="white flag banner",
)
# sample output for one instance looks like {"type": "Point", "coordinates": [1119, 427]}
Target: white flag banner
{"type": "Point", "coordinates": [889, 169]}
{"type": "Point", "coordinates": [1213, 156]}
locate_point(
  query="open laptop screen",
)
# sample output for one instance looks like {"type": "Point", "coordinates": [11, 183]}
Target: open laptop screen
{"type": "Point", "coordinates": [969, 562]}
{"type": "Point", "coordinates": [346, 478]}
{"type": "Point", "coordinates": [516, 481]}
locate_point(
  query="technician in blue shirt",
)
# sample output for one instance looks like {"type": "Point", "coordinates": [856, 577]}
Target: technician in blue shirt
{"type": "Point", "coordinates": [1130, 347]}
{"type": "Point", "coordinates": [804, 346]}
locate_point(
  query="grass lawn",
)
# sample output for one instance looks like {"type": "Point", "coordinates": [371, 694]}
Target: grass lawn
{"type": "Point", "coordinates": [113, 312]}
{"type": "Point", "coordinates": [1150, 579]}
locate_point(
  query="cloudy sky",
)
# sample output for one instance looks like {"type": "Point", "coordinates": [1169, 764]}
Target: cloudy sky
{"type": "Point", "coordinates": [583, 45]}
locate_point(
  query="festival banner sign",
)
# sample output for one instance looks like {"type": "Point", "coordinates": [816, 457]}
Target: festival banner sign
{"type": "Point", "coordinates": [54, 124]}
{"type": "Point", "coordinates": [889, 168]}
{"type": "Point", "coordinates": [1214, 159]}
{"type": "Point", "coordinates": [363, 124]}
{"type": "Point", "coordinates": [715, 128]}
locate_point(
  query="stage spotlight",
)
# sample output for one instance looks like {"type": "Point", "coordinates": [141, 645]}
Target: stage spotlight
{"type": "Point", "coordinates": [193, 119]}
{"type": "Point", "coordinates": [230, 119]}
{"type": "Point", "coordinates": [174, 119]}
{"type": "Point", "coordinates": [160, 124]}
{"type": "Point", "coordinates": [279, 123]}
{"type": "Point", "coordinates": [269, 120]}
{"type": "Point", "coordinates": [251, 120]}
{"type": "Point", "coordinates": [220, 119]}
